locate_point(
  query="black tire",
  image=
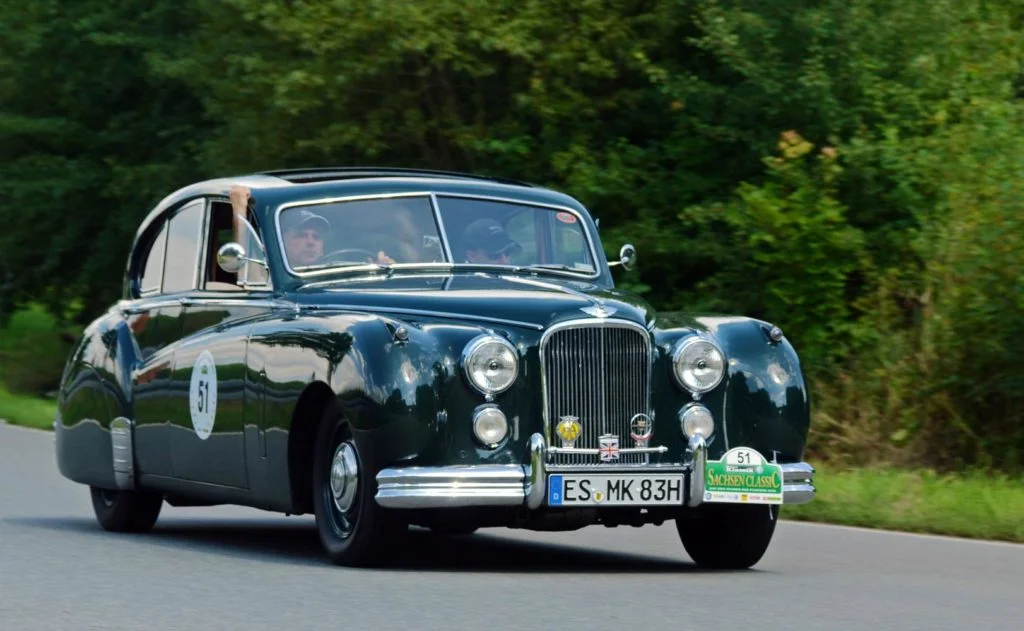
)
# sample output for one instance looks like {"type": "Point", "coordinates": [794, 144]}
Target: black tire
{"type": "Point", "coordinates": [126, 511]}
{"type": "Point", "coordinates": [364, 534]}
{"type": "Point", "coordinates": [728, 536]}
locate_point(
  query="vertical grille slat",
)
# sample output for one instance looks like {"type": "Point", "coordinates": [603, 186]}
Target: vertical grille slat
{"type": "Point", "coordinates": [598, 371]}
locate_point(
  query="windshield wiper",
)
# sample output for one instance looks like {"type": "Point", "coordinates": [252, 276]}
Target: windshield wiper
{"type": "Point", "coordinates": [375, 266]}
{"type": "Point", "coordinates": [548, 266]}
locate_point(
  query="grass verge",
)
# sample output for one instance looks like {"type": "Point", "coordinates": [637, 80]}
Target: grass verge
{"type": "Point", "coordinates": [977, 505]}
{"type": "Point", "coordinates": [29, 411]}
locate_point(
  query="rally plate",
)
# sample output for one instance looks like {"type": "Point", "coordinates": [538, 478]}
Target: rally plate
{"type": "Point", "coordinates": [615, 489]}
{"type": "Point", "coordinates": [743, 476]}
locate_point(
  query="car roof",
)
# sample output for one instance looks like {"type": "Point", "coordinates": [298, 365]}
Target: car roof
{"type": "Point", "coordinates": [308, 184]}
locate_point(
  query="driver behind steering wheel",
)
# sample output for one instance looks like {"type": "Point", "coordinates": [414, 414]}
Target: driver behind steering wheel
{"type": "Point", "coordinates": [303, 230]}
{"type": "Point", "coordinates": [304, 233]}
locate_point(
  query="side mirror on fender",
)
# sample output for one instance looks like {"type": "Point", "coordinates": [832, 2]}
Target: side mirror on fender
{"type": "Point", "coordinates": [627, 257]}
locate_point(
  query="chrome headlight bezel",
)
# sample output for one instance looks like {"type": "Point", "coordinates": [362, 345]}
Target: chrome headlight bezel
{"type": "Point", "coordinates": [477, 345]}
{"type": "Point", "coordinates": [686, 415]}
{"type": "Point", "coordinates": [677, 356]}
{"type": "Point", "coordinates": [496, 414]}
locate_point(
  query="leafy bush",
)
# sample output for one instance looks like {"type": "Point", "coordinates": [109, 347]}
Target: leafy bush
{"type": "Point", "coordinates": [33, 350]}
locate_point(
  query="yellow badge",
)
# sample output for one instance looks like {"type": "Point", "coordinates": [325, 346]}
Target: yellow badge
{"type": "Point", "coordinates": [569, 430]}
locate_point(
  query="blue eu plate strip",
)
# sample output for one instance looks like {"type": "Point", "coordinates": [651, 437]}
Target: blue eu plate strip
{"type": "Point", "coordinates": [555, 490]}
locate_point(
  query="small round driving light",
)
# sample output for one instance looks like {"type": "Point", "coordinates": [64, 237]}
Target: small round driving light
{"type": "Point", "coordinates": [697, 419]}
{"type": "Point", "coordinates": [698, 364]}
{"type": "Point", "coordinates": [491, 364]}
{"type": "Point", "coordinates": [490, 426]}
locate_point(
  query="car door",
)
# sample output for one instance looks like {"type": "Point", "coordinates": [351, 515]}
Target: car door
{"type": "Point", "coordinates": [155, 322]}
{"type": "Point", "coordinates": [211, 378]}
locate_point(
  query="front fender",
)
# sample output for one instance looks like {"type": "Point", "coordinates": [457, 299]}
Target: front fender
{"type": "Point", "coordinates": [763, 400]}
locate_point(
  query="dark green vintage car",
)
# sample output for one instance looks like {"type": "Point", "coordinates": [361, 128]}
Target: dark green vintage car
{"type": "Point", "coordinates": [392, 347]}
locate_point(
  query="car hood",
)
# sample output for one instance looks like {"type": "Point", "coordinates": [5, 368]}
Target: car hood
{"type": "Point", "coordinates": [509, 299]}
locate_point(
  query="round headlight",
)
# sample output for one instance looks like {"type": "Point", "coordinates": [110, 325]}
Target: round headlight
{"type": "Point", "coordinates": [697, 418]}
{"type": "Point", "coordinates": [490, 426]}
{"type": "Point", "coordinates": [698, 364]}
{"type": "Point", "coordinates": [491, 364]}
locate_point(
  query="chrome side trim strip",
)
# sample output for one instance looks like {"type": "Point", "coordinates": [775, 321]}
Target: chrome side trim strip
{"type": "Point", "coordinates": [123, 453]}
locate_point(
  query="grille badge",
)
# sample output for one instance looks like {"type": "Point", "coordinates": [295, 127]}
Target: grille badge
{"type": "Point", "coordinates": [599, 310]}
{"type": "Point", "coordinates": [569, 430]}
{"type": "Point", "coordinates": [641, 428]}
{"type": "Point", "coordinates": [608, 445]}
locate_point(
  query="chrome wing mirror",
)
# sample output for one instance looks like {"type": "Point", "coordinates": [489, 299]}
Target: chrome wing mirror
{"type": "Point", "coordinates": [231, 257]}
{"type": "Point", "coordinates": [627, 258]}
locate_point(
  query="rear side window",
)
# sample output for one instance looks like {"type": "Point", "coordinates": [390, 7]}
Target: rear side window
{"type": "Point", "coordinates": [184, 239]}
{"type": "Point", "coordinates": [153, 273]}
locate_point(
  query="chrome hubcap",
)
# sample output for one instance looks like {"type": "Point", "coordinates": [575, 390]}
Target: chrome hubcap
{"type": "Point", "coordinates": [344, 477]}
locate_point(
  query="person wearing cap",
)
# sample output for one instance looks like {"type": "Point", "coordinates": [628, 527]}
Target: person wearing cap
{"type": "Point", "coordinates": [485, 241]}
{"type": "Point", "coordinates": [303, 231]}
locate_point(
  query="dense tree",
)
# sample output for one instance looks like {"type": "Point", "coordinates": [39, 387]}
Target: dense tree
{"type": "Point", "coordinates": [846, 168]}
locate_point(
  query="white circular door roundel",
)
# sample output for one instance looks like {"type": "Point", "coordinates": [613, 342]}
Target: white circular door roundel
{"type": "Point", "coordinates": [202, 394]}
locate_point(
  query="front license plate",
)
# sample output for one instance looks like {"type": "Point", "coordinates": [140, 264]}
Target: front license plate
{"type": "Point", "coordinates": [615, 489]}
{"type": "Point", "coordinates": [742, 476]}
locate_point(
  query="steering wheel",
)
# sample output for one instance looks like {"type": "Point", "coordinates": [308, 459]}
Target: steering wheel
{"type": "Point", "coordinates": [347, 254]}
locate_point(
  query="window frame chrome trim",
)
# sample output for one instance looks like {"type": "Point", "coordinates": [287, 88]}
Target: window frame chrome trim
{"type": "Point", "coordinates": [335, 200]}
{"type": "Point", "coordinates": [199, 251]}
{"type": "Point", "coordinates": [164, 231]}
{"type": "Point", "coordinates": [432, 197]}
{"type": "Point", "coordinates": [508, 200]}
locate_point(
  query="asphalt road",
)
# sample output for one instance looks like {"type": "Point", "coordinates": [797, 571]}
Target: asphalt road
{"type": "Point", "coordinates": [229, 567]}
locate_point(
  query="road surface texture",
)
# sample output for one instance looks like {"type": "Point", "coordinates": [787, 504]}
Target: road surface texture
{"type": "Point", "coordinates": [236, 568]}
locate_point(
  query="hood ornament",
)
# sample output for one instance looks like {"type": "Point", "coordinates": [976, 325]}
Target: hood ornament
{"type": "Point", "coordinates": [599, 310]}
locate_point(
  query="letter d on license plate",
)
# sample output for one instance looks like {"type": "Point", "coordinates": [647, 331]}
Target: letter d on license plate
{"type": "Point", "coordinates": [580, 489]}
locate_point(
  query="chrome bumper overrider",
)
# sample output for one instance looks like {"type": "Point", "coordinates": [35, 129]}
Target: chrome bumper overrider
{"type": "Point", "coordinates": [524, 485]}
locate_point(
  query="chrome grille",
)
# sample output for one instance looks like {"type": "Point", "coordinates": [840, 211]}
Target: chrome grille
{"type": "Point", "coordinates": [598, 371]}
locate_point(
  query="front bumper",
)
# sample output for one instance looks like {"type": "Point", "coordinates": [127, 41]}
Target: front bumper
{"type": "Point", "coordinates": [525, 485]}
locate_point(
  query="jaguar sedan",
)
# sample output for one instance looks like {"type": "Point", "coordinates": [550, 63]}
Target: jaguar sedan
{"type": "Point", "coordinates": [386, 348]}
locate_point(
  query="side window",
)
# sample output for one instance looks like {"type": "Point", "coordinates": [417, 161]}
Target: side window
{"type": "Point", "coordinates": [221, 231]}
{"type": "Point", "coordinates": [183, 241]}
{"type": "Point", "coordinates": [153, 271]}
{"type": "Point", "coordinates": [224, 229]}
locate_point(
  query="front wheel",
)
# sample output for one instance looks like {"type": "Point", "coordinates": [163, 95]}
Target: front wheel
{"type": "Point", "coordinates": [354, 530]}
{"type": "Point", "coordinates": [728, 536]}
{"type": "Point", "coordinates": [126, 511]}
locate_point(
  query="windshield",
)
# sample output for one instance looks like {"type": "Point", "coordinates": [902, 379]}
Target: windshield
{"type": "Point", "coordinates": [405, 230]}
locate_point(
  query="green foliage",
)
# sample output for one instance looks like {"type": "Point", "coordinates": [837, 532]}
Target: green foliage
{"type": "Point", "coordinates": [30, 411]}
{"type": "Point", "coordinates": [848, 169]}
{"type": "Point", "coordinates": [33, 349]}
{"type": "Point", "coordinates": [788, 251]}
{"type": "Point", "coordinates": [970, 504]}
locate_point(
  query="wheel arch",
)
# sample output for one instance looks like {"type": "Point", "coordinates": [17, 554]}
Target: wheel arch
{"type": "Point", "coordinates": [309, 411]}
